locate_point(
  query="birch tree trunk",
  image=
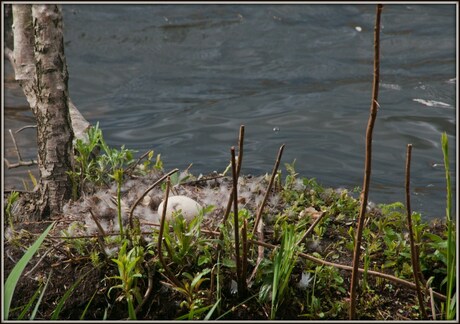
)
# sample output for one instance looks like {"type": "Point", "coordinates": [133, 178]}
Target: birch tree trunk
{"type": "Point", "coordinates": [40, 67]}
{"type": "Point", "coordinates": [54, 128]}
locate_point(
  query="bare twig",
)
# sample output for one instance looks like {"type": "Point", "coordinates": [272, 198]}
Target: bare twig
{"type": "Point", "coordinates": [433, 307]}
{"type": "Point", "coordinates": [204, 179]}
{"type": "Point", "coordinates": [101, 232]}
{"type": "Point", "coordinates": [235, 221]}
{"type": "Point", "coordinates": [131, 211]}
{"type": "Point", "coordinates": [367, 166]}
{"type": "Point", "coordinates": [240, 150]}
{"type": "Point", "coordinates": [130, 168]}
{"type": "Point", "coordinates": [168, 271]}
{"type": "Point", "coordinates": [20, 162]}
{"type": "Point", "coordinates": [25, 127]}
{"type": "Point", "coordinates": [260, 250]}
{"type": "Point", "coordinates": [238, 169]}
{"type": "Point", "coordinates": [244, 267]}
{"type": "Point", "coordinates": [349, 268]}
{"type": "Point", "coordinates": [414, 255]}
{"type": "Point", "coordinates": [148, 291]}
{"type": "Point", "coordinates": [270, 184]}
{"type": "Point", "coordinates": [311, 228]}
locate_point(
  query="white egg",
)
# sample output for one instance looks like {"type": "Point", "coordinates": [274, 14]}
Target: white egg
{"type": "Point", "coordinates": [188, 207]}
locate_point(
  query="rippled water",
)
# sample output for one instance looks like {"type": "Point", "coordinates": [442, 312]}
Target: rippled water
{"type": "Point", "coordinates": [181, 79]}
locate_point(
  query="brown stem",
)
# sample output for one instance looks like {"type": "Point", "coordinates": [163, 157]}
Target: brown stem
{"type": "Point", "coordinates": [433, 308]}
{"type": "Point", "coordinates": [131, 211]}
{"type": "Point", "coordinates": [367, 166]}
{"type": "Point", "coordinates": [168, 272]}
{"type": "Point", "coordinates": [270, 184]}
{"type": "Point", "coordinates": [235, 220]}
{"type": "Point", "coordinates": [348, 268]}
{"type": "Point", "coordinates": [244, 267]}
{"type": "Point", "coordinates": [414, 255]}
{"type": "Point", "coordinates": [20, 162]}
{"type": "Point", "coordinates": [131, 168]}
{"type": "Point", "coordinates": [311, 228]}
{"type": "Point", "coordinates": [238, 169]}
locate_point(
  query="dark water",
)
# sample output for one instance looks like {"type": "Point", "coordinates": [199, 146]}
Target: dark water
{"type": "Point", "coordinates": [181, 79]}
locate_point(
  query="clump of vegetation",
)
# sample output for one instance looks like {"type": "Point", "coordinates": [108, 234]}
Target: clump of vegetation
{"type": "Point", "coordinates": [300, 270]}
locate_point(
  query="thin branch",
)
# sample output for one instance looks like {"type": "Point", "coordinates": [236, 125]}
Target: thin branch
{"type": "Point", "coordinates": [15, 145]}
{"type": "Point", "coordinates": [101, 231]}
{"type": "Point", "coordinates": [25, 127]}
{"type": "Point", "coordinates": [235, 221]}
{"type": "Point", "coordinates": [238, 169]}
{"type": "Point", "coordinates": [132, 166]}
{"type": "Point", "coordinates": [311, 228]}
{"type": "Point", "coordinates": [148, 291]}
{"type": "Point", "coordinates": [270, 184]}
{"type": "Point", "coordinates": [367, 166]}
{"type": "Point", "coordinates": [168, 272]}
{"type": "Point", "coordinates": [414, 255]}
{"type": "Point", "coordinates": [131, 211]}
{"type": "Point", "coordinates": [244, 267]}
{"type": "Point", "coordinates": [349, 268]}
{"type": "Point", "coordinates": [433, 307]}
{"type": "Point", "coordinates": [19, 164]}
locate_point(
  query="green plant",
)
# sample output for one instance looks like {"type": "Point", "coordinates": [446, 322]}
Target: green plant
{"type": "Point", "coordinates": [129, 272]}
{"type": "Point", "coordinates": [451, 262]}
{"type": "Point", "coordinates": [66, 296]}
{"type": "Point", "coordinates": [12, 198]}
{"type": "Point", "coordinates": [284, 261]}
{"type": "Point", "coordinates": [185, 242]}
{"type": "Point", "coordinates": [93, 167]}
{"type": "Point", "coordinates": [195, 297]}
{"type": "Point", "coordinates": [15, 274]}
{"type": "Point", "coordinates": [118, 177]}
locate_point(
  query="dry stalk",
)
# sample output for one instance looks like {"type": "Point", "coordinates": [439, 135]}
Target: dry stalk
{"type": "Point", "coordinates": [414, 254]}
{"type": "Point", "coordinates": [238, 169]}
{"type": "Point", "coordinates": [349, 268]}
{"type": "Point", "coordinates": [367, 166]}
{"type": "Point", "coordinates": [433, 308]}
{"type": "Point", "coordinates": [270, 184]}
{"type": "Point", "coordinates": [131, 211]}
{"type": "Point", "coordinates": [20, 162]}
{"type": "Point", "coordinates": [235, 220]}
{"type": "Point", "coordinates": [244, 267]}
{"type": "Point", "coordinates": [131, 168]}
{"type": "Point", "coordinates": [168, 271]}
{"type": "Point", "coordinates": [311, 228]}
{"type": "Point", "coordinates": [101, 232]}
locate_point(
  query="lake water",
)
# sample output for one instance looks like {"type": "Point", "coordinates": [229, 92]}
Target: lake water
{"type": "Point", "coordinates": [181, 79]}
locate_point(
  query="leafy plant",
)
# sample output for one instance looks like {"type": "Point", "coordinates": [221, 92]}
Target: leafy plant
{"type": "Point", "coordinates": [129, 272]}
{"type": "Point", "coordinates": [118, 177]}
{"type": "Point", "coordinates": [283, 264]}
{"type": "Point", "coordinates": [195, 297]}
{"type": "Point", "coordinates": [12, 198]}
{"type": "Point", "coordinates": [93, 167]}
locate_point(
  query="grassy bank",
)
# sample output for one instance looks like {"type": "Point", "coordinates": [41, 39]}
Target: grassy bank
{"type": "Point", "coordinates": [275, 246]}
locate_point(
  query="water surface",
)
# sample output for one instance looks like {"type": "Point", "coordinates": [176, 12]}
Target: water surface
{"type": "Point", "coordinates": [181, 79]}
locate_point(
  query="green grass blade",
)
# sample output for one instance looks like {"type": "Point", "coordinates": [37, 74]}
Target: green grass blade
{"type": "Point", "coordinates": [82, 317]}
{"type": "Point", "coordinates": [451, 271]}
{"type": "Point", "coordinates": [32, 316]}
{"type": "Point", "coordinates": [30, 303]}
{"type": "Point", "coordinates": [64, 298]}
{"type": "Point", "coordinates": [211, 311]}
{"type": "Point", "coordinates": [15, 274]}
